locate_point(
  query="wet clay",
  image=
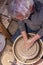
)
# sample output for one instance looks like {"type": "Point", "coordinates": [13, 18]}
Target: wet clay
{"type": "Point", "coordinates": [30, 56]}
{"type": "Point", "coordinates": [30, 53]}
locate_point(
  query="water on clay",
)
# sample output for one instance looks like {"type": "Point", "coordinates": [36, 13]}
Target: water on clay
{"type": "Point", "coordinates": [27, 56]}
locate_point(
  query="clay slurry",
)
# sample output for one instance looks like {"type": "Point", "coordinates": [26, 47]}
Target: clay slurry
{"type": "Point", "coordinates": [29, 54]}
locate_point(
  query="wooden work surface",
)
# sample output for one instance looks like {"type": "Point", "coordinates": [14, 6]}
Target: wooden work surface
{"type": "Point", "coordinates": [4, 31]}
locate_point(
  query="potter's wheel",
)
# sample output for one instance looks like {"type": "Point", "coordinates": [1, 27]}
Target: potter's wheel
{"type": "Point", "coordinates": [29, 56]}
{"type": "Point", "coordinates": [30, 53]}
{"type": "Point", "coordinates": [7, 58]}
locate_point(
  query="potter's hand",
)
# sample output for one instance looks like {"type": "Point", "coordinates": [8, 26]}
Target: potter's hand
{"type": "Point", "coordinates": [28, 44]}
{"type": "Point", "coordinates": [31, 41]}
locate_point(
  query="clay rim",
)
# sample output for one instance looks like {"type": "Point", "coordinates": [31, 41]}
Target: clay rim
{"type": "Point", "coordinates": [32, 61]}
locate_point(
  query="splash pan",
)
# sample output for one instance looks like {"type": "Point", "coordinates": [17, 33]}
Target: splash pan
{"type": "Point", "coordinates": [30, 56]}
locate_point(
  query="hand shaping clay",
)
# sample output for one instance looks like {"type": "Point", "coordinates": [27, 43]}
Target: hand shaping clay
{"type": "Point", "coordinates": [29, 56]}
{"type": "Point", "coordinates": [30, 53]}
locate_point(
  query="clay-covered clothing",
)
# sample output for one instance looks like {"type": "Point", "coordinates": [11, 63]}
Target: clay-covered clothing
{"type": "Point", "coordinates": [35, 22]}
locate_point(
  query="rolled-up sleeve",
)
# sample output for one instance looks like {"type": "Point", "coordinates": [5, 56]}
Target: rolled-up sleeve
{"type": "Point", "coordinates": [41, 20]}
{"type": "Point", "coordinates": [21, 26]}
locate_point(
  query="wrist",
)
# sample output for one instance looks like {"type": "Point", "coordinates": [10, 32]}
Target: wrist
{"type": "Point", "coordinates": [25, 37]}
{"type": "Point", "coordinates": [36, 37]}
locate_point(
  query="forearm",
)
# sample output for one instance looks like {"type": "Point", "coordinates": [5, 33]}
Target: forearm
{"type": "Point", "coordinates": [25, 37]}
{"type": "Point", "coordinates": [36, 37]}
{"type": "Point", "coordinates": [24, 34]}
{"type": "Point", "coordinates": [39, 34]}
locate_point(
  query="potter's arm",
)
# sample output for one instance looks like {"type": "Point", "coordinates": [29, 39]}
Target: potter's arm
{"type": "Point", "coordinates": [23, 30]}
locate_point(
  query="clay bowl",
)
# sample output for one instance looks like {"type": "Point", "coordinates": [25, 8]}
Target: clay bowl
{"type": "Point", "coordinates": [30, 56]}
